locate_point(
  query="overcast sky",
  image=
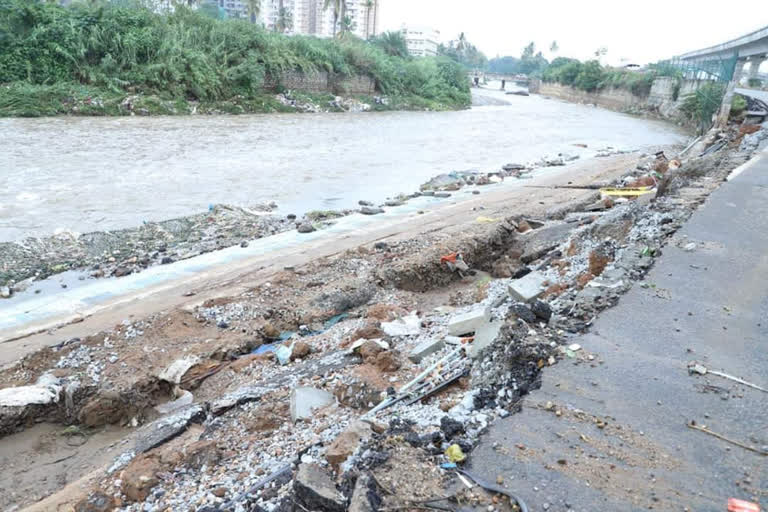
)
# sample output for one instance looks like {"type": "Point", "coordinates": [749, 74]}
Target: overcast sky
{"type": "Point", "coordinates": [638, 31]}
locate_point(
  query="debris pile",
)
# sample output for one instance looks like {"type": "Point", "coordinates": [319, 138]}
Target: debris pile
{"type": "Point", "coordinates": [362, 381]}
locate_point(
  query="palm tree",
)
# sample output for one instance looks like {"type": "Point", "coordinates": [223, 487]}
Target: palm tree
{"type": "Point", "coordinates": [339, 11]}
{"type": "Point", "coordinates": [253, 8]}
{"type": "Point", "coordinates": [393, 43]}
{"type": "Point", "coordinates": [554, 47]}
{"type": "Point", "coordinates": [368, 6]}
{"type": "Point", "coordinates": [462, 42]}
{"type": "Point", "coordinates": [284, 18]}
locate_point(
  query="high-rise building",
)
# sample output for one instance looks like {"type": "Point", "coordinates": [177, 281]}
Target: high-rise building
{"type": "Point", "coordinates": [421, 41]}
{"type": "Point", "coordinates": [309, 16]}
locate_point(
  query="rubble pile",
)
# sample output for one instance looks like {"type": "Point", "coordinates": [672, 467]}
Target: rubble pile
{"type": "Point", "coordinates": [357, 382]}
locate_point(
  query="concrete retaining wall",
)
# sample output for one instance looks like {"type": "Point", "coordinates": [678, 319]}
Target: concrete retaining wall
{"type": "Point", "coordinates": [322, 82]}
{"type": "Point", "coordinates": [665, 98]}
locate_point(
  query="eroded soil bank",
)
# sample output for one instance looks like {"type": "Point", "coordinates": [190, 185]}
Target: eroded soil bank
{"type": "Point", "coordinates": [214, 421]}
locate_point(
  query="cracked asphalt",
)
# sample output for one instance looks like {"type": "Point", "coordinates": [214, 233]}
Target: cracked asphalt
{"type": "Point", "coordinates": [612, 433]}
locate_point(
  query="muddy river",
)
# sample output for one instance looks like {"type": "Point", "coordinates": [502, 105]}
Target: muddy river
{"type": "Point", "coordinates": [86, 174]}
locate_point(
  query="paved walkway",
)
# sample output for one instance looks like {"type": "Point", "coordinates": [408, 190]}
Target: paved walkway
{"type": "Point", "coordinates": [621, 442]}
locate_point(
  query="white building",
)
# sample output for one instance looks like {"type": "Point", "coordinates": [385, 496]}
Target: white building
{"type": "Point", "coordinates": [308, 16]}
{"type": "Point", "coordinates": [422, 41]}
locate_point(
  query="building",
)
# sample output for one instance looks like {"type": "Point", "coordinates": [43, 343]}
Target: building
{"type": "Point", "coordinates": [421, 41]}
{"type": "Point", "coordinates": [308, 16]}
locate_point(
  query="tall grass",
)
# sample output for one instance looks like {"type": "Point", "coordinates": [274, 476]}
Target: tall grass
{"type": "Point", "coordinates": [119, 49]}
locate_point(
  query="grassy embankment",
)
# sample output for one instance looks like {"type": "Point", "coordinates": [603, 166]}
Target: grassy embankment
{"type": "Point", "coordinates": [114, 60]}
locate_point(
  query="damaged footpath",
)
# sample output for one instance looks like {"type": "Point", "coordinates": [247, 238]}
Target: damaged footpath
{"type": "Point", "coordinates": [362, 381]}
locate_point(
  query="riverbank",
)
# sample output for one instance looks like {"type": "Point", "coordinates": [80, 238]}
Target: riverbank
{"type": "Point", "coordinates": [133, 61]}
{"type": "Point", "coordinates": [123, 252]}
{"type": "Point", "coordinates": [24, 100]}
{"type": "Point", "coordinates": [231, 447]}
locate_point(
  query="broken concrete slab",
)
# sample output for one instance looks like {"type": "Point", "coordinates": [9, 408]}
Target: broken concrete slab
{"type": "Point", "coordinates": [409, 325]}
{"type": "Point", "coordinates": [176, 370]}
{"type": "Point", "coordinates": [305, 399]}
{"type": "Point", "coordinates": [424, 349]}
{"type": "Point", "coordinates": [469, 322]}
{"type": "Point", "coordinates": [163, 430]}
{"type": "Point", "coordinates": [240, 396]}
{"type": "Point", "coordinates": [540, 241]}
{"type": "Point", "coordinates": [484, 337]}
{"type": "Point", "coordinates": [315, 490]}
{"type": "Point", "coordinates": [28, 395]}
{"type": "Point", "coordinates": [528, 287]}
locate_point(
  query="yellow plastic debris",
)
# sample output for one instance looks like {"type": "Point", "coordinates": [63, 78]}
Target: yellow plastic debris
{"type": "Point", "coordinates": [455, 454]}
{"type": "Point", "coordinates": [626, 192]}
{"type": "Point", "coordinates": [485, 220]}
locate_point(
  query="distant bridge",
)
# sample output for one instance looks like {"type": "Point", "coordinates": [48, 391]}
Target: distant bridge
{"type": "Point", "coordinates": [518, 79]}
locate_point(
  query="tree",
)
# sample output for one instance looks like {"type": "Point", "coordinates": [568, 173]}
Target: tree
{"type": "Point", "coordinates": [504, 65]}
{"type": "Point", "coordinates": [375, 14]}
{"type": "Point", "coordinates": [284, 21]}
{"type": "Point", "coordinates": [347, 25]}
{"type": "Point", "coordinates": [461, 44]}
{"type": "Point", "coordinates": [369, 4]}
{"type": "Point", "coordinates": [253, 8]}
{"type": "Point", "coordinates": [531, 61]}
{"type": "Point", "coordinates": [464, 52]}
{"type": "Point", "coordinates": [393, 43]}
{"type": "Point", "coordinates": [528, 51]}
{"type": "Point", "coordinates": [601, 52]}
{"type": "Point", "coordinates": [590, 76]}
{"type": "Point", "coordinates": [553, 47]}
{"type": "Point", "coordinates": [339, 11]}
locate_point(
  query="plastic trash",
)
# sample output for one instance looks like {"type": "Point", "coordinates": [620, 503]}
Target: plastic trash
{"type": "Point", "coordinates": [283, 354]}
{"type": "Point", "coordinates": [455, 454]}
{"type": "Point", "coordinates": [737, 505]}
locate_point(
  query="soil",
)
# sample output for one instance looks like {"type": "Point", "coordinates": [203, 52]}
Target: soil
{"type": "Point", "coordinates": [334, 289]}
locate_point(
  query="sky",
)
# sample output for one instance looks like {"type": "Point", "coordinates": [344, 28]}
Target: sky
{"type": "Point", "coordinates": [633, 32]}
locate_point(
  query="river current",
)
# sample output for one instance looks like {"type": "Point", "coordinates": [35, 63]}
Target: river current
{"type": "Point", "coordinates": [87, 174]}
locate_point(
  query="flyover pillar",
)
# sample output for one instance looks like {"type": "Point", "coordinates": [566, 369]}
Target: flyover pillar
{"type": "Point", "coordinates": [725, 107]}
{"type": "Point", "coordinates": [754, 65]}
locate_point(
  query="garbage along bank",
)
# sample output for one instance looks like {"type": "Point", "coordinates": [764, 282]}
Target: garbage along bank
{"type": "Point", "coordinates": [121, 252]}
{"type": "Point", "coordinates": [291, 427]}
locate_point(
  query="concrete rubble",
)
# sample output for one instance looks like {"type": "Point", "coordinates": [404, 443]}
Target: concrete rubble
{"type": "Point", "coordinates": [265, 432]}
{"type": "Point", "coordinates": [528, 287]}
{"type": "Point", "coordinates": [468, 322]}
{"type": "Point", "coordinates": [304, 400]}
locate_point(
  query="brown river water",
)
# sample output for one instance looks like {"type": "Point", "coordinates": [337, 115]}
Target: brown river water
{"type": "Point", "coordinates": [88, 174]}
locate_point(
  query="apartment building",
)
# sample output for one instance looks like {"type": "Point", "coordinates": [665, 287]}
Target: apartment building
{"type": "Point", "coordinates": [421, 41]}
{"type": "Point", "coordinates": [310, 18]}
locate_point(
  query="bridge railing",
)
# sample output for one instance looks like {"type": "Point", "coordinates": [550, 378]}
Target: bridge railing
{"type": "Point", "coordinates": [715, 69]}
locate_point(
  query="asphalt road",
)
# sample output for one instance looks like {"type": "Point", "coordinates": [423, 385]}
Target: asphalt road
{"type": "Point", "coordinates": [760, 95]}
{"type": "Point", "coordinates": [710, 306]}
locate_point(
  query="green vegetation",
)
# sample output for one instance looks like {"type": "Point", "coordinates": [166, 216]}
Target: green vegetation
{"type": "Point", "coordinates": [755, 82]}
{"type": "Point", "coordinates": [465, 53]}
{"type": "Point", "coordinates": [591, 76]}
{"type": "Point", "coordinates": [701, 105]}
{"type": "Point", "coordinates": [530, 62]}
{"type": "Point", "coordinates": [114, 58]}
{"type": "Point", "coordinates": [392, 43]}
{"type": "Point", "coordinates": [738, 105]}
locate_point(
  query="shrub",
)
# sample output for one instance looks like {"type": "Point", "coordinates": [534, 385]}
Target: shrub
{"type": "Point", "coordinates": [188, 54]}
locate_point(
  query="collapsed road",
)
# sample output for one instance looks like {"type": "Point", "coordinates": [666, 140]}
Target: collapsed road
{"type": "Point", "coordinates": [265, 397]}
